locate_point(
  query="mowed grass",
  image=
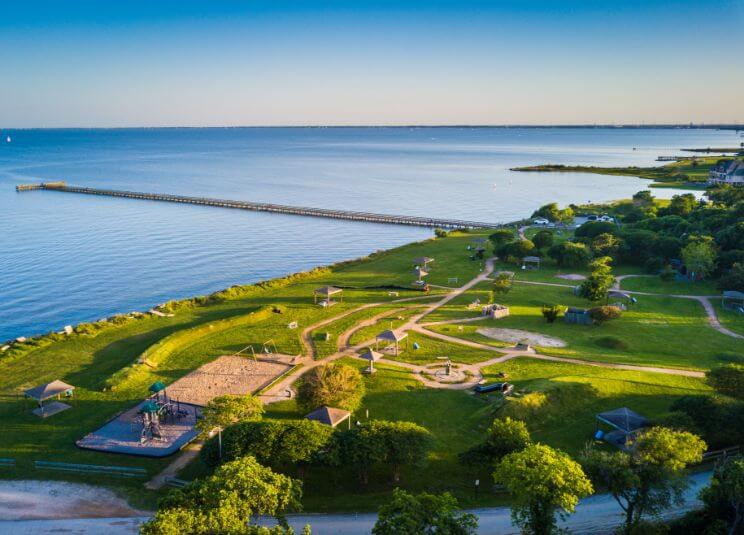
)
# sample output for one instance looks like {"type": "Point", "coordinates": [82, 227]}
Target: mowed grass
{"type": "Point", "coordinates": [731, 320]}
{"type": "Point", "coordinates": [456, 420]}
{"type": "Point", "coordinates": [568, 421]}
{"type": "Point", "coordinates": [432, 350]}
{"type": "Point", "coordinates": [658, 331]}
{"type": "Point", "coordinates": [87, 361]}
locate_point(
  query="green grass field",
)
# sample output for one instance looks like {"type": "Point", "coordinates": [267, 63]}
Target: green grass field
{"type": "Point", "coordinates": [658, 331]}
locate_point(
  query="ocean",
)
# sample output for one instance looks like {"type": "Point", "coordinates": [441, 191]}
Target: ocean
{"type": "Point", "coordinates": [69, 258]}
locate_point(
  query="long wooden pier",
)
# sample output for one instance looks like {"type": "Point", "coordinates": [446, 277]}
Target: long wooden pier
{"type": "Point", "coordinates": [368, 217]}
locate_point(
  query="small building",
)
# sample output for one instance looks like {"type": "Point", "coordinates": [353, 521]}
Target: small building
{"type": "Point", "coordinates": [326, 293]}
{"type": "Point", "coordinates": [622, 299]}
{"type": "Point", "coordinates": [330, 416]}
{"type": "Point", "coordinates": [579, 316]}
{"type": "Point", "coordinates": [502, 388]}
{"type": "Point", "coordinates": [495, 311]}
{"type": "Point", "coordinates": [531, 262]}
{"type": "Point", "coordinates": [625, 425]}
{"type": "Point", "coordinates": [727, 172]}
{"type": "Point", "coordinates": [733, 300]}
{"type": "Point", "coordinates": [42, 393]}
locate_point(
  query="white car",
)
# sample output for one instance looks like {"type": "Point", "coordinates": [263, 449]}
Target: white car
{"type": "Point", "coordinates": [606, 219]}
{"type": "Point", "coordinates": [540, 221]}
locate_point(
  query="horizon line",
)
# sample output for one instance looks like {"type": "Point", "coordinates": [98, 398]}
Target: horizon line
{"type": "Point", "coordinates": [688, 125]}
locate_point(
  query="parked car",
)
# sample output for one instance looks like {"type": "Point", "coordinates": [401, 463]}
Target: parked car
{"type": "Point", "coordinates": [606, 219]}
{"type": "Point", "coordinates": [540, 221]}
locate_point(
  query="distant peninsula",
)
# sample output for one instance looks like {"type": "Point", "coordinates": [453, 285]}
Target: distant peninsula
{"type": "Point", "coordinates": [686, 173]}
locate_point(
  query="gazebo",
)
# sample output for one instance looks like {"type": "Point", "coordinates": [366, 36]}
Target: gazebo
{"type": "Point", "coordinates": [329, 416]}
{"type": "Point", "coordinates": [47, 391]}
{"type": "Point", "coordinates": [733, 300]}
{"type": "Point", "coordinates": [326, 292]}
{"type": "Point", "coordinates": [625, 423]}
{"type": "Point", "coordinates": [531, 262]}
{"type": "Point", "coordinates": [392, 336]}
{"type": "Point", "coordinates": [372, 356]}
{"type": "Point", "coordinates": [423, 261]}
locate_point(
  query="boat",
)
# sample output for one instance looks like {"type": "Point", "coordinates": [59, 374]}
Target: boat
{"type": "Point", "coordinates": [8, 139]}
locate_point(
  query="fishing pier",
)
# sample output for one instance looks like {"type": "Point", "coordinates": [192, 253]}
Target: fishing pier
{"type": "Point", "coordinates": [348, 215]}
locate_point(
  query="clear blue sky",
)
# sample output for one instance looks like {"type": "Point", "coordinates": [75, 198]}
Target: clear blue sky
{"type": "Point", "coordinates": [211, 62]}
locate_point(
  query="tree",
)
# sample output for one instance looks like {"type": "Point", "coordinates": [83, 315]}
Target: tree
{"type": "Point", "coordinates": [728, 380]}
{"type": "Point", "coordinates": [361, 447]}
{"type": "Point", "coordinates": [699, 256]}
{"type": "Point", "coordinates": [569, 254]}
{"type": "Point", "coordinates": [606, 245]}
{"type": "Point", "coordinates": [334, 385]}
{"type": "Point", "coordinates": [501, 237]}
{"type": "Point", "coordinates": [643, 198]}
{"type": "Point", "coordinates": [551, 312]}
{"type": "Point", "coordinates": [551, 212]}
{"type": "Point", "coordinates": [404, 443]}
{"type": "Point", "coordinates": [592, 229]}
{"type": "Point", "coordinates": [274, 443]}
{"type": "Point", "coordinates": [226, 501]}
{"type": "Point", "coordinates": [516, 250]}
{"type": "Point", "coordinates": [724, 498]}
{"type": "Point", "coordinates": [543, 239]}
{"type": "Point", "coordinates": [596, 285]}
{"type": "Point", "coordinates": [682, 205]}
{"type": "Point", "coordinates": [502, 284]}
{"type": "Point", "coordinates": [542, 481]}
{"type": "Point", "coordinates": [650, 477]}
{"type": "Point", "coordinates": [734, 279]}
{"type": "Point", "coordinates": [225, 410]}
{"type": "Point", "coordinates": [424, 513]}
{"type": "Point", "coordinates": [505, 436]}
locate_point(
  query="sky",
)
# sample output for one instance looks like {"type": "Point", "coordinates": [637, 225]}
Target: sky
{"type": "Point", "coordinates": [119, 63]}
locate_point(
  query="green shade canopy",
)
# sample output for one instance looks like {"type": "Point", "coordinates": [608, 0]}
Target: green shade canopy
{"type": "Point", "coordinates": [149, 406]}
{"type": "Point", "coordinates": [156, 387]}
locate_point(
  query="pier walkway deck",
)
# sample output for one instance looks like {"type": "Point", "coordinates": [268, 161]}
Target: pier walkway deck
{"type": "Point", "coordinates": [417, 221]}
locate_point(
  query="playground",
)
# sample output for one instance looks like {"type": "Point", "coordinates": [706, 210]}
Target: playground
{"type": "Point", "coordinates": [229, 374]}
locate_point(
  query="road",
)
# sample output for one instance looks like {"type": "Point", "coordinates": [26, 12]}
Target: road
{"type": "Point", "coordinates": [595, 515]}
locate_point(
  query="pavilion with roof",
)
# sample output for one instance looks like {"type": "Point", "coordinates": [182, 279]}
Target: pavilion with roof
{"type": "Point", "coordinates": [625, 424]}
{"type": "Point", "coordinates": [47, 391]}
{"type": "Point", "coordinates": [326, 293]}
{"type": "Point", "coordinates": [329, 416]}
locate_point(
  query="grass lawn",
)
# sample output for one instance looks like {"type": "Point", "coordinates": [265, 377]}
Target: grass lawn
{"type": "Point", "coordinates": [430, 349]}
{"type": "Point", "coordinates": [656, 285]}
{"type": "Point", "coordinates": [568, 421]}
{"type": "Point", "coordinates": [456, 420]}
{"type": "Point", "coordinates": [660, 331]}
{"type": "Point", "coordinates": [731, 320]}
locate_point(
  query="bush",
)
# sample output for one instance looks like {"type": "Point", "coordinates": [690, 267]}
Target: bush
{"type": "Point", "coordinates": [678, 421]}
{"type": "Point", "coordinates": [730, 357]}
{"type": "Point", "coordinates": [667, 274]}
{"type": "Point", "coordinates": [570, 254]}
{"type": "Point", "coordinates": [335, 385]}
{"type": "Point", "coordinates": [543, 239]}
{"type": "Point", "coordinates": [611, 342]}
{"type": "Point", "coordinates": [653, 265]}
{"type": "Point", "coordinates": [440, 233]}
{"type": "Point", "coordinates": [592, 229]}
{"type": "Point", "coordinates": [502, 236]}
{"type": "Point", "coordinates": [551, 312]}
{"type": "Point", "coordinates": [728, 380]}
{"type": "Point", "coordinates": [516, 250]}
{"type": "Point", "coordinates": [604, 313]}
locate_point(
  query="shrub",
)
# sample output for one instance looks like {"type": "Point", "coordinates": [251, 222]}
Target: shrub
{"type": "Point", "coordinates": [501, 237]}
{"type": "Point", "coordinates": [604, 313]}
{"type": "Point", "coordinates": [335, 385]}
{"type": "Point", "coordinates": [730, 357]}
{"type": "Point", "coordinates": [551, 312]}
{"type": "Point", "coordinates": [592, 229]}
{"type": "Point", "coordinates": [543, 239]}
{"type": "Point", "coordinates": [527, 406]}
{"type": "Point", "coordinates": [667, 274]}
{"type": "Point", "coordinates": [569, 254]}
{"type": "Point", "coordinates": [611, 342]}
{"type": "Point", "coordinates": [728, 380]}
{"type": "Point", "coordinates": [653, 265]}
{"type": "Point", "coordinates": [440, 233]}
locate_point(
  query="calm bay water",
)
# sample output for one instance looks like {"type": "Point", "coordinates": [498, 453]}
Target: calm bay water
{"type": "Point", "coordinates": [67, 258]}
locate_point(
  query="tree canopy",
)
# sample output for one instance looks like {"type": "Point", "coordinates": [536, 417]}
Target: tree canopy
{"type": "Point", "coordinates": [226, 501]}
{"type": "Point", "coordinates": [225, 410]}
{"type": "Point", "coordinates": [542, 481]}
{"type": "Point", "coordinates": [335, 385]}
{"type": "Point", "coordinates": [650, 477]}
{"type": "Point", "coordinates": [427, 514]}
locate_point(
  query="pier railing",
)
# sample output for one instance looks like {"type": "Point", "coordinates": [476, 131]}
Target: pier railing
{"type": "Point", "coordinates": [369, 217]}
